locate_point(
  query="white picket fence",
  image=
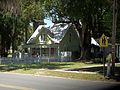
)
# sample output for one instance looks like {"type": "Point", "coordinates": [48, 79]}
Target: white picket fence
{"type": "Point", "coordinates": [27, 60]}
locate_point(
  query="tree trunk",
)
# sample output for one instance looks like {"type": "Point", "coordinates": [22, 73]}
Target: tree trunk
{"type": "Point", "coordinates": [4, 51]}
{"type": "Point", "coordinates": [14, 34]}
{"type": "Point", "coordinates": [2, 46]}
{"type": "Point", "coordinates": [85, 40]}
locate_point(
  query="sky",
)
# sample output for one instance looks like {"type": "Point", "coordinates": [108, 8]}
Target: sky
{"type": "Point", "coordinates": [48, 22]}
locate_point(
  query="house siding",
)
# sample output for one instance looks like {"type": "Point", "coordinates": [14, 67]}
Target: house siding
{"type": "Point", "coordinates": [70, 42]}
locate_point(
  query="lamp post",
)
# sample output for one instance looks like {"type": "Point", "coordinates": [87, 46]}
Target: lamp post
{"type": "Point", "coordinates": [114, 34]}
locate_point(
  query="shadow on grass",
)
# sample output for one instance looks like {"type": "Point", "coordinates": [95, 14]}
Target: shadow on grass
{"type": "Point", "coordinates": [11, 67]}
{"type": "Point", "coordinates": [99, 70]}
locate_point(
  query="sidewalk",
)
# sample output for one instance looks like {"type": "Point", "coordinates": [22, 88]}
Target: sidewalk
{"type": "Point", "coordinates": [96, 69]}
{"type": "Point", "coordinates": [61, 70]}
{"type": "Point", "coordinates": [79, 70]}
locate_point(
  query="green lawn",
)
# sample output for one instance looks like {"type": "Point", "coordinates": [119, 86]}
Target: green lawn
{"type": "Point", "coordinates": [50, 65]}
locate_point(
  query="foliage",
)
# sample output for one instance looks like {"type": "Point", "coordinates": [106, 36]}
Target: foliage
{"type": "Point", "coordinates": [15, 16]}
{"type": "Point", "coordinates": [32, 9]}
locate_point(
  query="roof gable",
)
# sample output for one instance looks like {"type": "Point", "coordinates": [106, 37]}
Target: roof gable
{"type": "Point", "coordinates": [40, 30]}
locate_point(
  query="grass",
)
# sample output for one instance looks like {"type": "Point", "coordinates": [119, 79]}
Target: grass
{"type": "Point", "coordinates": [62, 74]}
{"type": "Point", "coordinates": [50, 65]}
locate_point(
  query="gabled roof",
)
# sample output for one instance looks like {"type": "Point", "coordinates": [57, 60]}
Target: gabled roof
{"type": "Point", "coordinates": [60, 30]}
{"type": "Point", "coordinates": [37, 32]}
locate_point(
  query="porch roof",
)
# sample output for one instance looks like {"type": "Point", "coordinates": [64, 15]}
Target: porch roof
{"type": "Point", "coordinates": [94, 42]}
{"type": "Point", "coordinates": [40, 45]}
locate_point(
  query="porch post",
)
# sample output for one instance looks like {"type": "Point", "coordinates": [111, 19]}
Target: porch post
{"type": "Point", "coordinates": [40, 50]}
{"type": "Point", "coordinates": [49, 53]}
{"type": "Point", "coordinates": [58, 52]}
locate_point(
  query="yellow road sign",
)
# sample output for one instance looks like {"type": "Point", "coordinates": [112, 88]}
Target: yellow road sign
{"type": "Point", "coordinates": [103, 41]}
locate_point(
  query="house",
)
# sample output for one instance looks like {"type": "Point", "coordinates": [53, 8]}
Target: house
{"type": "Point", "coordinates": [42, 43]}
{"type": "Point", "coordinates": [60, 42]}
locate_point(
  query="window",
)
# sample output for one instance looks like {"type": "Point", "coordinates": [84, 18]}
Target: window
{"type": "Point", "coordinates": [42, 38]}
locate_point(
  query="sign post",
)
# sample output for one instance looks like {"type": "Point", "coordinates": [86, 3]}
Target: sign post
{"type": "Point", "coordinates": [103, 44]}
{"type": "Point", "coordinates": [114, 26]}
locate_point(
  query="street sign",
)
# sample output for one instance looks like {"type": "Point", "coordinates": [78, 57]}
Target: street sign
{"type": "Point", "coordinates": [103, 41]}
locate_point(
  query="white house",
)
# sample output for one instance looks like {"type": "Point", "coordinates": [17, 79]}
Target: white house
{"type": "Point", "coordinates": [42, 43]}
{"type": "Point", "coordinates": [60, 42]}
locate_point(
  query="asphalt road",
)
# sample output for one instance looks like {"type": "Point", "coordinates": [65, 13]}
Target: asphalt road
{"type": "Point", "coordinates": [30, 82]}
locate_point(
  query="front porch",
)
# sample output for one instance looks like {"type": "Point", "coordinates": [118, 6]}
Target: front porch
{"type": "Point", "coordinates": [49, 52]}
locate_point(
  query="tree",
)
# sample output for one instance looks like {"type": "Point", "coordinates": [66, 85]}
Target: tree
{"type": "Point", "coordinates": [86, 15]}
{"type": "Point", "coordinates": [15, 16]}
{"type": "Point", "coordinates": [5, 32]}
{"type": "Point", "coordinates": [8, 9]}
{"type": "Point", "coordinates": [31, 10]}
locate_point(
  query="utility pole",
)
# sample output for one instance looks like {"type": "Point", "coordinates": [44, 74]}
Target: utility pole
{"type": "Point", "coordinates": [114, 34]}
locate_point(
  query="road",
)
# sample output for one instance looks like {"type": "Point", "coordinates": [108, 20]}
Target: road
{"type": "Point", "coordinates": [9, 81]}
